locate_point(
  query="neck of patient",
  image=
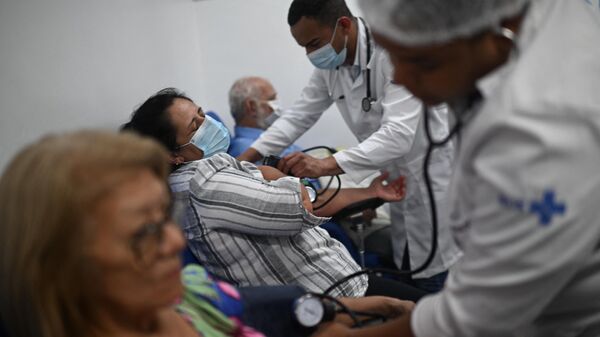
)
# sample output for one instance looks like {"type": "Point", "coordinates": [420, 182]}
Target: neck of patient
{"type": "Point", "coordinates": [248, 122]}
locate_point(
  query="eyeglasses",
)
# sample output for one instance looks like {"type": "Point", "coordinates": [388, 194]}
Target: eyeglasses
{"type": "Point", "coordinates": [146, 242]}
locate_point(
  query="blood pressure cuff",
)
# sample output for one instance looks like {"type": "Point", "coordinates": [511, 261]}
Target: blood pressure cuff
{"type": "Point", "coordinates": [269, 309]}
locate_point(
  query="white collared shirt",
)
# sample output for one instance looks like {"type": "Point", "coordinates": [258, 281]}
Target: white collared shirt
{"type": "Point", "coordinates": [391, 138]}
{"type": "Point", "coordinates": [526, 190]}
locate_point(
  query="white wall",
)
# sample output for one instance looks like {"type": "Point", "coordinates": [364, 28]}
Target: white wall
{"type": "Point", "coordinates": [594, 3]}
{"type": "Point", "coordinates": [70, 64]}
{"type": "Point", "coordinates": [252, 37]}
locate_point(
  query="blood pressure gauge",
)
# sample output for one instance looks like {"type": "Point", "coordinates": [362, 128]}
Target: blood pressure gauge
{"type": "Point", "coordinates": [311, 310]}
{"type": "Point", "coordinates": [312, 191]}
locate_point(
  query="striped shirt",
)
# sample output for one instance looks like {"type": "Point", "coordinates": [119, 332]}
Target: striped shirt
{"type": "Point", "coordinates": [251, 232]}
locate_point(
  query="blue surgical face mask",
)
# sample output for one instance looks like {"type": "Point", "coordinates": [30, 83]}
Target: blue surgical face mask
{"type": "Point", "coordinates": [212, 137]}
{"type": "Point", "coordinates": [326, 57]}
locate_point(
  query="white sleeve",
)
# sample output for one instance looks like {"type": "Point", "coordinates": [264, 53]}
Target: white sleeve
{"type": "Point", "coordinates": [535, 187]}
{"type": "Point", "coordinates": [394, 138]}
{"type": "Point", "coordinates": [294, 122]}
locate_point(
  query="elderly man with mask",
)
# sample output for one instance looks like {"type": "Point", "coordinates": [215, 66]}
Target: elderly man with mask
{"type": "Point", "coordinates": [524, 76]}
{"type": "Point", "coordinates": [254, 107]}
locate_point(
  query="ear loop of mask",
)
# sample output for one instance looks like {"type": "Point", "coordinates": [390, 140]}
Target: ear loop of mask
{"type": "Point", "coordinates": [337, 69]}
{"type": "Point", "coordinates": [333, 37]}
{"type": "Point", "coordinates": [179, 147]}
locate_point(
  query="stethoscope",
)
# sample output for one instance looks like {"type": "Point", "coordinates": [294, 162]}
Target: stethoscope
{"type": "Point", "coordinates": [368, 100]}
{"type": "Point", "coordinates": [469, 106]}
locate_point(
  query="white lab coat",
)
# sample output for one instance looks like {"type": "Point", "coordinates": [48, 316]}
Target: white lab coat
{"type": "Point", "coordinates": [391, 137]}
{"type": "Point", "coordinates": [526, 192]}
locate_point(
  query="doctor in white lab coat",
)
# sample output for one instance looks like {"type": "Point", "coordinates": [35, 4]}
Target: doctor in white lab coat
{"type": "Point", "coordinates": [525, 194]}
{"type": "Point", "coordinates": [390, 129]}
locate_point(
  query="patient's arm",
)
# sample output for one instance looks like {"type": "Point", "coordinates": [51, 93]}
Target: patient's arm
{"type": "Point", "coordinates": [271, 173]}
{"type": "Point", "coordinates": [250, 155]}
{"type": "Point", "coordinates": [399, 327]}
{"type": "Point", "coordinates": [236, 197]}
{"type": "Point", "coordinates": [393, 191]}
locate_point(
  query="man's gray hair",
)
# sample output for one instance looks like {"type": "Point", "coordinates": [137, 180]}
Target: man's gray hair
{"type": "Point", "coordinates": [428, 22]}
{"type": "Point", "coordinates": [241, 90]}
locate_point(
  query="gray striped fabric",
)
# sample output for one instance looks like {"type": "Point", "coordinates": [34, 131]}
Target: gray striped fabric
{"type": "Point", "coordinates": [251, 232]}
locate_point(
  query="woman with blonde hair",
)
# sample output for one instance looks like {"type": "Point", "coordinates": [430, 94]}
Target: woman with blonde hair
{"type": "Point", "coordinates": [88, 248]}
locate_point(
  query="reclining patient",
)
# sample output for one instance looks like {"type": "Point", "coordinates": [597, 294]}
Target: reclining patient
{"type": "Point", "coordinates": [253, 225]}
{"type": "Point", "coordinates": [88, 248]}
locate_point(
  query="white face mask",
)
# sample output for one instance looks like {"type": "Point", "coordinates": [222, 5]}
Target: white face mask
{"type": "Point", "coordinates": [276, 106]}
{"type": "Point", "coordinates": [266, 118]}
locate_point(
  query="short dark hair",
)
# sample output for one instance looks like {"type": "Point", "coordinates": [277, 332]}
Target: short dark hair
{"type": "Point", "coordinates": [151, 119]}
{"type": "Point", "coordinates": [326, 12]}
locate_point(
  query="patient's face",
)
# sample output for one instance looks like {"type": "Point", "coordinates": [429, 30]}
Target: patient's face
{"type": "Point", "coordinates": [187, 117]}
{"type": "Point", "coordinates": [312, 35]}
{"type": "Point", "coordinates": [139, 269]}
{"type": "Point", "coordinates": [264, 110]}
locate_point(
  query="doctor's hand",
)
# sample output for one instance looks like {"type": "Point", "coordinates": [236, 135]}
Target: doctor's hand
{"type": "Point", "coordinates": [333, 329]}
{"type": "Point", "coordinates": [393, 191]}
{"type": "Point", "coordinates": [386, 306]}
{"type": "Point", "coordinates": [300, 164]}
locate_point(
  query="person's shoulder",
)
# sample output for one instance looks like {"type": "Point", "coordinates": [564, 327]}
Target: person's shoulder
{"type": "Point", "coordinates": [206, 297]}
{"type": "Point", "coordinates": [381, 64]}
{"type": "Point", "coordinates": [552, 74]}
{"type": "Point", "coordinates": [321, 73]}
{"type": "Point", "coordinates": [381, 57]}
{"type": "Point", "coordinates": [219, 161]}
{"type": "Point", "coordinates": [203, 168]}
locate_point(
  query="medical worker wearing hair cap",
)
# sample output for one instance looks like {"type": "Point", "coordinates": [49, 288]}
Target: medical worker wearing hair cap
{"type": "Point", "coordinates": [524, 76]}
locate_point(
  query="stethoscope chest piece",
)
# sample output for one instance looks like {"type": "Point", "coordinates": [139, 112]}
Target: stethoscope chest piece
{"type": "Point", "coordinates": [367, 102]}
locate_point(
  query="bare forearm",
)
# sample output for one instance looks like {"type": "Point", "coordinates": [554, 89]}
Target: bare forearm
{"type": "Point", "coordinates": [302, 165]}
{"type": "Point", "coordinates": [271, 173]}
{"type": "Point", "coordinates": [344, 198]}
{"type": "Point", "coordinates": [331, 167]}
{"type": "Point", "coordinates": [399, 327]}
{"type": "Point", "coordinates": [250, 155]}
{"type": "Point", "coordinates": [381, 305]}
